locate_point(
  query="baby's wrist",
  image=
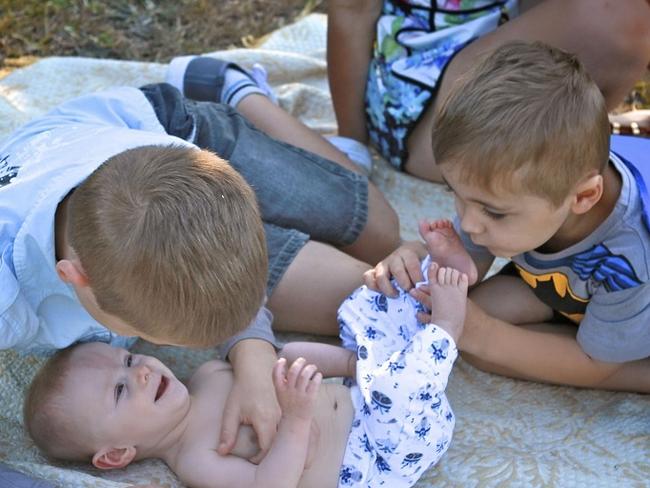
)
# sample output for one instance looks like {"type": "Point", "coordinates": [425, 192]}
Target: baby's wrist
{"type": "Point", "coordinates": [297, 423]}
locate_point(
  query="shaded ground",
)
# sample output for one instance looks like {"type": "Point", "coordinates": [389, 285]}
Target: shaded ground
{"type": "Point", "coordinates": [143, 30]}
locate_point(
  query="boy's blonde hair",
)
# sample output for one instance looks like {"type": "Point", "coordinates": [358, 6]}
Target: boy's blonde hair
{"type": "Point", "coordinates": [172, 242]}
{"type": "Point", "coordinates": [526, 108]}
{"type": "Point", "coordinates": [45, 418]}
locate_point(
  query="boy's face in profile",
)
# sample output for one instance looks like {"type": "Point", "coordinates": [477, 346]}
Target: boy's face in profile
{"type": "Point", "coordinates": [509, 223]}
{"type": "Point", "coordinates": [122, 399]}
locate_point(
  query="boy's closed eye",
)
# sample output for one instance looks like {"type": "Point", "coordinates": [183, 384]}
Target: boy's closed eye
{"type": "Point", "coordinates": [492, 214]}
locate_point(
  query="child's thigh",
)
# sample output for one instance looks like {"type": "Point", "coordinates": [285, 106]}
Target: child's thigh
{"type": "Point", "coordinates": [510, 299]}
{"type": "Point", "coordinates": [311, 288]}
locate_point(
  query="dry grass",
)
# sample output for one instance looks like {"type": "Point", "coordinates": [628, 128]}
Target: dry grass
{"type": "Point", "coordinates": [139, 30]}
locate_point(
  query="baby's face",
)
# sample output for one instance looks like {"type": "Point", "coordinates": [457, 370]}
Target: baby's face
{"type": "Point", "coordinates": [123, 398]}
{"type": "Point", "coordinates": [509, 223]}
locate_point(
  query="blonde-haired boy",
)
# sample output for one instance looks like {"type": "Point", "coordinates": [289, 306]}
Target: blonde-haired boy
{"type": "Point", "coordinates": [141, 212]}
{"type": "Point", "coordinates": [140, 230]}
{"type": "Point", "coordinates": [523, 143]}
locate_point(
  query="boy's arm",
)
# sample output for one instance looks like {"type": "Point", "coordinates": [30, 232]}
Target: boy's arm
{"type": "Point", "coordinates": [283, 466]}
{"type": "Point", "coordinates": [350, 34]}
{"type": "Point", "coordinates": [543, 354]}
{"type": "Point", "coordinates": [252, 399]}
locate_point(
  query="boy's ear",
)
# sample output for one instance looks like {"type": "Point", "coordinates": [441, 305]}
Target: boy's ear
{"type": "Point", "coordinates": [587, 194]}
{"type": "Point", "coordinates": [114, 457]}
{"type": "Point", "coordinates": [71, 271]}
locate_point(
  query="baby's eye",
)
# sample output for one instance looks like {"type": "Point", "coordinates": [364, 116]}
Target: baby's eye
{"type": "Point", "coordinates": [448, 188]}
{"type": "Point", "coordinates": [129, 360]}
{"type": "Point", "coordinates": [493, 215]}
{"type": "Point", "coordinates": [119, 389]}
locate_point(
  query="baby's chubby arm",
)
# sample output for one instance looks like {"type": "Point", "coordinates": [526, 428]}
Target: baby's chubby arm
{"type": "Point", "coordinates": [297, 390]}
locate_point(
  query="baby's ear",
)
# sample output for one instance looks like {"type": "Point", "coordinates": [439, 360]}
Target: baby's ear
{"type": "Point", "coordinates": [114, 457]}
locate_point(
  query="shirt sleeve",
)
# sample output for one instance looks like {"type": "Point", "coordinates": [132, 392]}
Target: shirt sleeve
{"type": "Point", "coordinates": [19, 323]}
{"type": "Point", "coordinates": [259, 328]}
{"type": "Point", "coordinates": [616, 325]}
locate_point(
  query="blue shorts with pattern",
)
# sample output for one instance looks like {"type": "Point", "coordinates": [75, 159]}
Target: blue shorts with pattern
{"type": "Point", "coordinates": [415, 41]}
{"type": "Point", "coordinates": [403, 422]}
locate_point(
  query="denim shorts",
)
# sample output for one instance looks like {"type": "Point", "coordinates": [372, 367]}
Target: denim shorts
{"type": "Point", "coordinates": [301, 195]}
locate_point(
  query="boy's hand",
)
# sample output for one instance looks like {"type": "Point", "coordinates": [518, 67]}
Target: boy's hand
{"type": "Point", "coordinates": [297, 388]}
{"type": "Point", "coordinates": [252, 400]}
{"type": "Point", "coordinates": [403, 264]}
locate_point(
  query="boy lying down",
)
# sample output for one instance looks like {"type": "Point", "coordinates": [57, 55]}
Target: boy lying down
{"type": "Point", "coordinates": [93, 402]}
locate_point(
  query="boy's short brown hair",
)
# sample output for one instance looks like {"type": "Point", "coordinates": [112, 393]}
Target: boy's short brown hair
{"type": "Point", "coordinates": [45, 418]}
{"type": "Point", "coordinates": [172, 242]}
{"type": "Point", "coordinates": [527, 108]}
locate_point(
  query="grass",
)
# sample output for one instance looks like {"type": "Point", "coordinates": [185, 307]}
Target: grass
{"type": "Point", "coordinates": [144, 30]}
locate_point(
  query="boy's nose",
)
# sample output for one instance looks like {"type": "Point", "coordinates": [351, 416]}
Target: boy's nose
{"type": "Point", "coordinates": [470, 224]}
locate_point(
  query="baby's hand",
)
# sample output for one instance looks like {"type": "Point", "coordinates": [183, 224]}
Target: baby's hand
{"type": "Point", "coordinates": [297, 388]}
{"type": "Point", "coordinates": [403, 264]}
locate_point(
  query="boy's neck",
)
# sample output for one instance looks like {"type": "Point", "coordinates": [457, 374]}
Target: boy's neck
{"type": "Point", "coordinates": [170, 445]}
{"type": "Point", "coordinates": [578, 227]}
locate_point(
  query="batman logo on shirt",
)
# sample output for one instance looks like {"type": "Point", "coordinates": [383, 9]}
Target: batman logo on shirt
{"type": "Point", "coordinates": [599, 265]}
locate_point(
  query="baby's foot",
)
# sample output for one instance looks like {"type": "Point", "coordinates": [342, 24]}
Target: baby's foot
{"type": "Point", "coordinates": [448, 288]}
{"type": "Point", "coordinates": [445, 247]}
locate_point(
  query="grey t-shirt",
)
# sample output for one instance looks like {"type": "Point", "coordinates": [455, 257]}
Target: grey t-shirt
{"type": "Point", "coordinates": [602, 282]}
{"type": "Point", "coordinates": [259, 328]}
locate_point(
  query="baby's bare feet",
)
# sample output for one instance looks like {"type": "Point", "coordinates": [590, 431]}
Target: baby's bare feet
{"type": "Point", "coordinates": [448, 288]}
{"type": "Point", "coordinates": [445, 247]}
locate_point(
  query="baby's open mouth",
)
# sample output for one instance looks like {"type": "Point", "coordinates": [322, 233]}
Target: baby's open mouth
{"type": "Point", "coordinates": [162, 387]}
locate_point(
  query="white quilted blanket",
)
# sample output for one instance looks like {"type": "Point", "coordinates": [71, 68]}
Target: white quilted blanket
{"type": "Point", "coordinates": [509, 433]}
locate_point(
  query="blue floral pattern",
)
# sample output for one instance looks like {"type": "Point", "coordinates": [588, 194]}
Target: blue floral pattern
{"type": "Point", "coordinates": [415, 40]}
{"type": "Point", "coordinates": [403, 422]}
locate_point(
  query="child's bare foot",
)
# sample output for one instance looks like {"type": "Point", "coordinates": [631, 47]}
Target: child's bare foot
{"type": "Point", "coordinates": [448, 288]}
{"type": "Point", "coordinates": [445, 247]}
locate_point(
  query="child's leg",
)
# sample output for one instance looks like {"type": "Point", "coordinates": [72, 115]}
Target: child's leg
{"type": "Point", "coordinates": [445, 247]}
{"type": "Point", "coordinates": [313, 286]}
{"type": "Point", "coordinates": [494, 342]}
{"type": "Point", "coordinates": [616, 55]}
{"type": "Point", "coordinates": [331, 361]}
{"type": "Point", "coordinates": [380, 236]}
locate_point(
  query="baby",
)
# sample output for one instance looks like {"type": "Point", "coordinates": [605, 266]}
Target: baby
{"type": "Point", "coordinates": [110, 407]}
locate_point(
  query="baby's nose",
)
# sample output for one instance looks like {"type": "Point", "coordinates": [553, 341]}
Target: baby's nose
{"type": "Point", "coordinates": [143, 373]}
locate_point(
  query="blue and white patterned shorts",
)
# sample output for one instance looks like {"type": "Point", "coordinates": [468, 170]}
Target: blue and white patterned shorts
{"type": "Point", "coordinates": [403, 423]}
{"type": "Point", "coordinates": [415, 42]}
